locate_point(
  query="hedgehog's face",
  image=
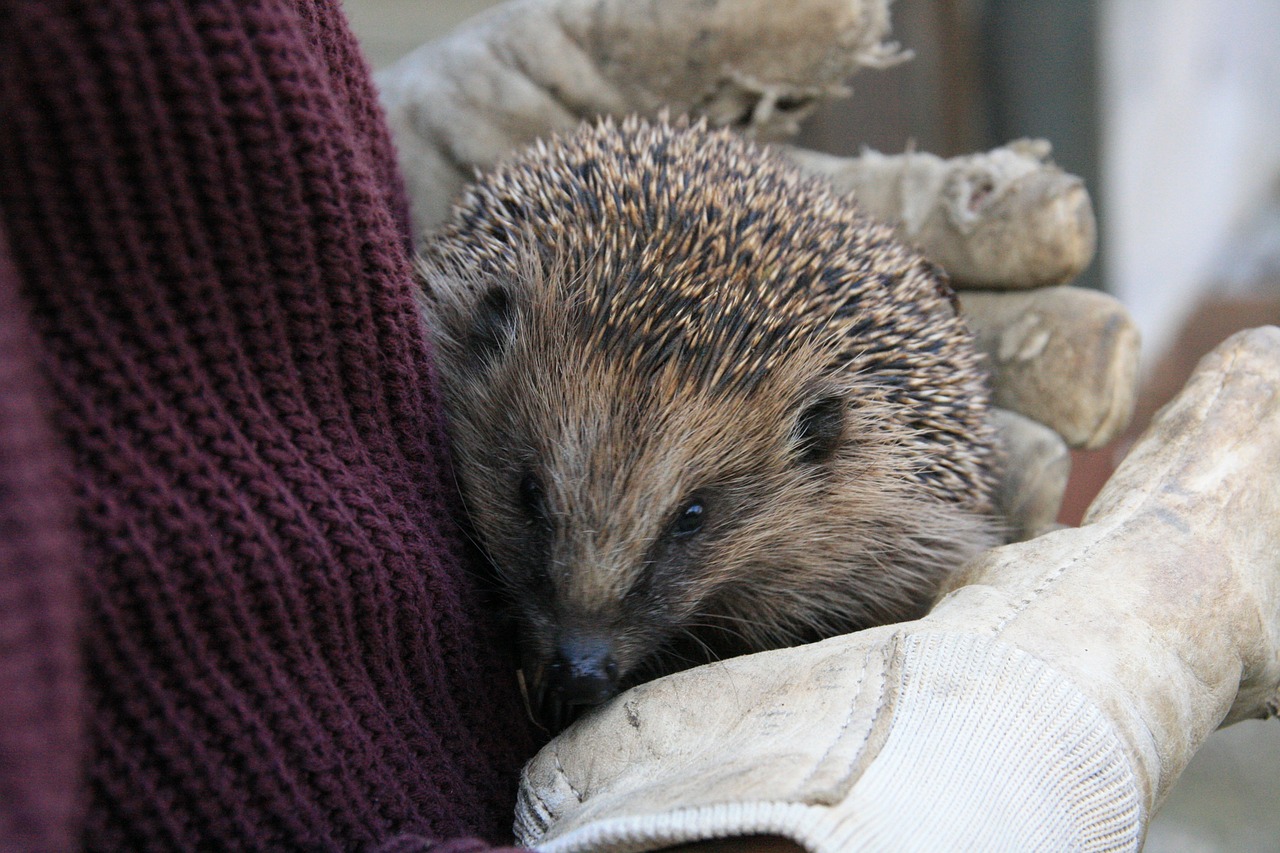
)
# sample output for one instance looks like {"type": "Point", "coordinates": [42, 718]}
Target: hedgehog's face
{"type": "Point", "coordinates": [617, 509]}
{"type": "Point", "coordinates": [641, 523]}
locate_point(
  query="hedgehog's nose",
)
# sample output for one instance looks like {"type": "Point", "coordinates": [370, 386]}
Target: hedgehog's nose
{"type": "Point", "coordinates": [582, 673]}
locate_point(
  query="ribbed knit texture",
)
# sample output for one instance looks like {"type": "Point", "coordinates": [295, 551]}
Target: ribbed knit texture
{"type": "Point", "coordinates": [282, 643]}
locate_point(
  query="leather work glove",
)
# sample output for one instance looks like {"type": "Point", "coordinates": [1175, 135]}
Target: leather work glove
{"type": "Point", "coordinates": [1054, 695]}
{"type": "Point", "coordinates": [1048, 702]}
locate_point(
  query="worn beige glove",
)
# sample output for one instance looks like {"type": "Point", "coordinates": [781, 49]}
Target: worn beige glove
{"type": "Point", "coordinates": [1006, 222]}
{"type": "Point", "coordinates": [1047, 703]}
{"type": "Point", "coordinates": [529, 68]}
{"type": "Point", "coordinates": [1065, 359]}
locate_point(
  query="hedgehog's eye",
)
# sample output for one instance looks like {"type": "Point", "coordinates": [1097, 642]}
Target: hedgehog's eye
{"type": "Point", "coordinates": [689, 518]}
{"type": "Point", "coordinates": [818, 430]}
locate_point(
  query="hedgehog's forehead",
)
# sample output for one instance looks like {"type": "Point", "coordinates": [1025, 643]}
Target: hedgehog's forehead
{"type": "Point", "coordinates": [716, 335]}
{"type": "Point", "coordinates": [620, 444]}
{"type": "Point", "coordinates": [726, 301]}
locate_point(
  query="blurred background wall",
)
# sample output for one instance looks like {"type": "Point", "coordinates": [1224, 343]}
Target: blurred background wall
{"type": "Point", "coordinates": [1170, 110]}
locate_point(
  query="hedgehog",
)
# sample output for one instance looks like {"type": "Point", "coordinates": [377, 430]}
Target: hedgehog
{"type": "Point", "coordinates": [700, 405]}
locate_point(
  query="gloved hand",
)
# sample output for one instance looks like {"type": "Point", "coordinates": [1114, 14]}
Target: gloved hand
{"type": "Point", "coordinates": [988, 720]}
{"type": "Point", "coordinates": [1007, 221]}
{"type": "Point", "coordinates": [1047, 703]}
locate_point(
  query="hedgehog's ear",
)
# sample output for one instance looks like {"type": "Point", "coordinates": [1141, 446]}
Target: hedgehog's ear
{"type": "Point", "coordinates": [493, 325]}
{"type": "Point", "coordinates": [818, 430]}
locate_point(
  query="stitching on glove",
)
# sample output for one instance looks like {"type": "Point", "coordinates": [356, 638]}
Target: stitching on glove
{"type": "Point", "coordinates": [844, 725]}
{"type": "Point", "coordinates": [565, 776]}
{"type": "Point", "coordinates": [858, 760]}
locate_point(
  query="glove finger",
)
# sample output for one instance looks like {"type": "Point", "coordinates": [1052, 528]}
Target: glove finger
{"type": "Point", "coordinates": [1006, 218]}
{"type": "Point", "coordinates": [1036, 467]}
{"type": "Point", "coordinates": [1063, 356]}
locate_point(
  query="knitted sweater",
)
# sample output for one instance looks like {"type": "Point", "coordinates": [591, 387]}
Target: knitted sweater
{"type": "Point", "coordinates": [235, 607]}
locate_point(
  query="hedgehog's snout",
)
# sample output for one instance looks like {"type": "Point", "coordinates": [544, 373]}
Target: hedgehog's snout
{"type": "Point", "coordinates": [582, 673]}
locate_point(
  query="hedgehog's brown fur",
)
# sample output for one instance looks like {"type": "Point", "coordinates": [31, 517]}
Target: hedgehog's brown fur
{"type": "Point", "coordinates": [632, 318]}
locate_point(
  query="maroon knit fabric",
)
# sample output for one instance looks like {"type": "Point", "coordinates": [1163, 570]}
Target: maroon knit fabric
{"type": "Point", "coordinates": [39, 674]}
{"type": "Point", "coordinates": [281, 646]}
